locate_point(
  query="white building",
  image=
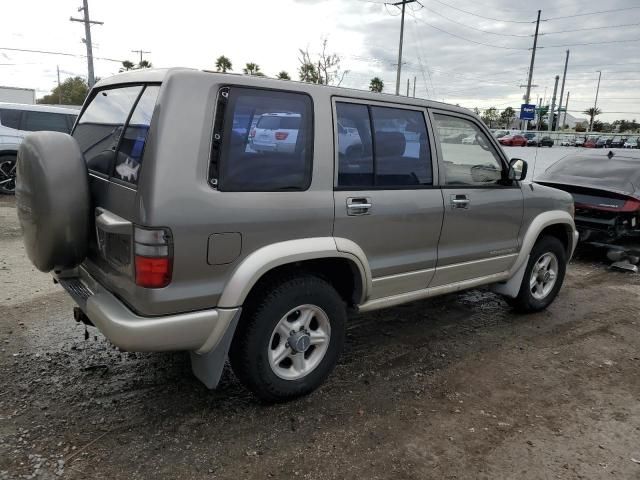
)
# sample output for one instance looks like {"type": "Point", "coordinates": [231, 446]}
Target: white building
{"type": "Point", "coordinates": [17, 95]}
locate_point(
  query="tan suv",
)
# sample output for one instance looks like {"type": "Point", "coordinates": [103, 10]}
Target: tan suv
{"type": "Point", "coordinates": [172, 230]}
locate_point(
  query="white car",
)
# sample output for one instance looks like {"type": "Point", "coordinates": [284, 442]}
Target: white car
{"type": "Point", "coordinates": [16, 120]}
{"type": "Point", "coordinates": [632, 143]}
{"type": "Point", "coordinates": [275, 132]}
{"type": "Point", "coordinates": [470, 140]}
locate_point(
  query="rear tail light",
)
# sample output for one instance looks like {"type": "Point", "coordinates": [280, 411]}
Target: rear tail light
{"type": "Point", "coordinates": [252, 133]}
{"type": "Point", "coordinates": [281, 135]}
{"type": "Point", "coordinates": [153, 257]}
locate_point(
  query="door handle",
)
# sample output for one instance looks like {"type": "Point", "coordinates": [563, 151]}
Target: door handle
{"type": "Point", "coordinates": [460, 201]}
{"type": "Point", "coordinates": [358, 206]}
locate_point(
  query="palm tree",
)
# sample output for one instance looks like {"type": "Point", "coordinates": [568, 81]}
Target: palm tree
{"type": "Point", "coordinates": [127, 65]}
{"type": "Point", "coordinates": [592, 112]}
{"type": "Point", "coordinates": [144, 64]}
{"type": "Point", "coordinates": [376, 85]}
{"type": "Point", "coordinates": [283, 76]}
{"type": "Point", "coordinates": [252, 69]}
{"type": "Point", "coordinates": [223, 64]}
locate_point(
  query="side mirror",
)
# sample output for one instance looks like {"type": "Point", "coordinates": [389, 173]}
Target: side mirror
{"type": "Point", "coordinates": [517, 169]}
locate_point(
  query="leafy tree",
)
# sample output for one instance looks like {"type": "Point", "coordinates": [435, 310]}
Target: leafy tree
{"type": "Point", "coordinates": [580, 127]}
{"type": "Point", "coordinates": [325, 69]}
{"type": "Point", "coordinates": [72, 91]}
{"type": "Point", "coordinates": [252, 69]}
{"type": "Point", "coordinates": [507, 116]}
{"type": "Point", "coordinates": [376, 85]}
{"type": "Point", "coordinates": [223, 64]}
{"type": "Point", "coordinates": [592, 113]}
{"type": "Point", "coordinates": [476, 110]}
{"type": "Point", "coordinates": [490, 116]}
{"type": "Point", "coordinates": [598, 126]}
{"type": "Point", "coordinates": [283, 76]}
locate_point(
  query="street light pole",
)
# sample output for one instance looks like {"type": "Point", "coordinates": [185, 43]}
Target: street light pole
{"type": "Point", "coordinates": [553, 105]}
{"type": "Point", "coordinates": [595, 103]}
{"type": "Point", "coordinates": [564, 77]}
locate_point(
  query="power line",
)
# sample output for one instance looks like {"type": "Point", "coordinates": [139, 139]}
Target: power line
{"type": "Point", "coordinates": [48, 52]}
{"type": "Point", "coordinates": [558, 32]}
{"type": "Point", "coordinates": [589, 13]}
{"type": "Point", "coordinates": [481, 16]}
{"type": "Point", "coordinates": [467, 39]}
{"type": "Point", "coordinates": [475, 28]}
{"type": "Point", "coordinates": [591, 43]}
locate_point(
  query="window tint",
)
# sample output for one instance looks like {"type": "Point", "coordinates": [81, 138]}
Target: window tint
{"type": "Point", "coordinates": [129, 156]}
{"type": "Point", "coordinates": [471, 160]}
{"type": "Point", "coordinates": [10, 118]}
{"type": "Point", "coordinates": [38, 121]}
{"type": "Point", "coordinates": [355, 158]}
{"type": "Point", "coordinates": [100, 125]}
{"type": "Point", "coordinates": [267, 142]}
{"type": "Point", "coordinates": [401, 147]}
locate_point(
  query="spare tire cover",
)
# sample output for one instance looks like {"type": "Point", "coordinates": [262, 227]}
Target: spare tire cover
{"type": "Point", "coordinates": [52, 198]}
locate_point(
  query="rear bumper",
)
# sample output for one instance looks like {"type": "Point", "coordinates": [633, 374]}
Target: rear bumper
{"type": "Point", "coordinates": [199, 331]}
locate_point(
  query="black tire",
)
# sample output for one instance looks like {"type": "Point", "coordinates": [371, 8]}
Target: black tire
{"type": "Point", "coordinates": [249, 350]}
{"type": "Point", "coordinates": [525, 302]}
{"type": "Point", "coordinates": [8, 174]}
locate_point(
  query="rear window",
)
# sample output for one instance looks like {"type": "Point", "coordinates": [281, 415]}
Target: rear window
{"type": "Point", "coordinates": [39, 121]}
{"type": "Point", "coordinates": [263, 141]}
{"type": "Point", "coordinates": [112, 146]}
{"type": "Point", "coordinates": [10, 118]}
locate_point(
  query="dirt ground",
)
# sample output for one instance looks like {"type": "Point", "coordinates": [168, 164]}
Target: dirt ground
{"type": "Point", "coordinates": [456, 387]}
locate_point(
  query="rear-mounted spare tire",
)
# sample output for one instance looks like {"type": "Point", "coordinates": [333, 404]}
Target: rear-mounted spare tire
{"type": "Point", "coordinates": [52, 198]}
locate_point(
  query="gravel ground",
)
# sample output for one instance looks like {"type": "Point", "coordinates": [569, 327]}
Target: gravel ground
{"type": "Point", "coordinates": [455, 387]}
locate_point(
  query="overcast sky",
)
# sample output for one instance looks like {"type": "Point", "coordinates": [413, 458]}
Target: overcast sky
{"type": "Point", "coordinates": [439, 44]}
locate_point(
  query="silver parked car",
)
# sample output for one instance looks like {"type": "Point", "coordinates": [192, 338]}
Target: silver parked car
{"type": "Point", "coordinates": [171, 232]}
{"type": "Point", "coordinates": [17, 120]}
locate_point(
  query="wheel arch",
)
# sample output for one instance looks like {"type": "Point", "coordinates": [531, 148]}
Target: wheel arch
{"type": "Point", "coordinates": [339, 261]}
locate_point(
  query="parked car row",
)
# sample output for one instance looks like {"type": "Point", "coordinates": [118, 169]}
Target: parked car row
{"type": "Point", "coordinates": [529, 139]}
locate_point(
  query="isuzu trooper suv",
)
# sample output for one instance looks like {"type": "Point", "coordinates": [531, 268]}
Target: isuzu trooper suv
{"type": "Point", "coordinates": [173, 230]}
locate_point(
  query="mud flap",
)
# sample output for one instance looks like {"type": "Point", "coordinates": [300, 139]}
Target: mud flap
{"type": "Point", "coordinates": [511, 287]}
{"type": "Point", "coordinates": [207, 367]}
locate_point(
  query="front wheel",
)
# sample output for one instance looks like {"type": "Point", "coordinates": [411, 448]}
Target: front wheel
{"type": "Point", "coordinates": [543, 276]}
{"type": "Point", "coordinates": [289, 339]}
{"type": "Point", "coordinates": [8, 174]}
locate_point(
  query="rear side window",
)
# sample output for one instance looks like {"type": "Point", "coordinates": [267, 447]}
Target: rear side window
{"type": "Point", "coordinates": [39, 121]}
{"type": "Point", "coordinates": [10, 118]}
{"type": "Point", "coordinates": [100, 126]}
{"type": "Point", "coordinates": [395, 154]}
{"type": "Point", "coordinates": [264, 142]}
{"type": "Point", "coordinates": [129, 157]}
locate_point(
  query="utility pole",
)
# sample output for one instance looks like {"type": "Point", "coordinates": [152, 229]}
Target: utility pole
{"type": "Point", "coordinates": [553, 104]}
{"type": "Point", "coordinates": [414, 87]}
{"type": "Point", "coordinates": [539, 114]}
{"type": "Point", "coordinates": [403, 3]}
{"type": "Point", "coordinates": [527, 96]}
{"type": "Point", "coordinates": [564, 77]}
{"type": "Point", "coordinates": [595, 104]}
{"type": "Point", "coordinates": [87, 40]}
{"type": "Point", "coordinates": [140, 52]}
{"type": "Point", "coordinates": [408, 83]}
{"type": "Point", "coordinates": [566, 107]}
{"type": "Point", "coordinates": [59, 87]}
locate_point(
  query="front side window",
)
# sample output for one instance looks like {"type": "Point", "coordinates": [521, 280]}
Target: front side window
{"type": "Point", "coordinates": [395, 154]}
{"type": "Point", "coordinates": [10, 118]}
{"type": "Point", "coordinates": [129, 157]}
{"type": "Point", "coordinates": [100, 126]}
{"type": "Point", "coordinates": [266, 142]}
{"type": "Point", "coordinates": [40, 121]}
{"type": "Point", "coordinates": [473, 161]}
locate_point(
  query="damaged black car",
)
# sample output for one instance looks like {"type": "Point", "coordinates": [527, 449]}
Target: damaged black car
{"type": "Point", "coordinates": [606, 192]}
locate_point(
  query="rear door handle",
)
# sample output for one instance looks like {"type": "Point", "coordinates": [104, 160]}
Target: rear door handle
{"type": "Point", "coordinates": [460, 201]}
{"type": "Point", "coordinates": [358, 206]}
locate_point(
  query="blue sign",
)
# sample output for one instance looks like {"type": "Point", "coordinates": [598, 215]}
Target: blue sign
{"type": "Point", "coordinates": [527, 112]}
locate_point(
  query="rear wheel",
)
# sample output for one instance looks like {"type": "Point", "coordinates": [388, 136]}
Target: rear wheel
{"type": "Point", "coordinates": [543, 276]}
{"type": "Point", "coordinates": [290, 338]}
{"type": "Point", "coordinates": [8, 174]}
